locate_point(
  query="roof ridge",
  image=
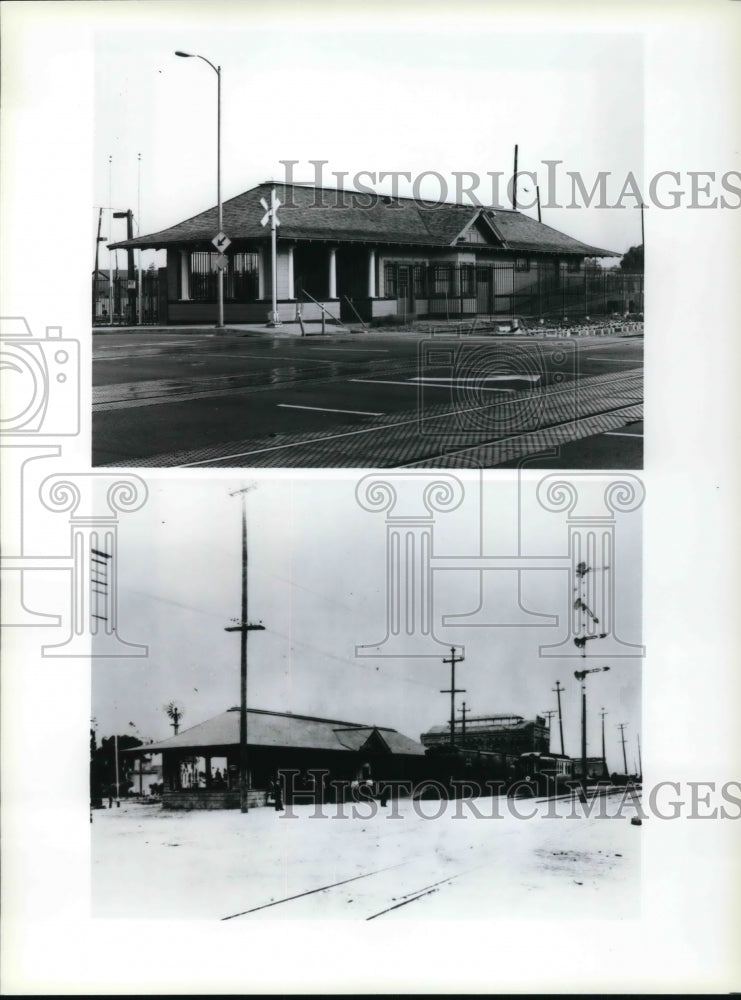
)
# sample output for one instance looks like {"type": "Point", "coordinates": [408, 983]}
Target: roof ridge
{"type": "Point", "coordinates": [307, 718]}
{"type": "Point", "coordinates": [377, 194]}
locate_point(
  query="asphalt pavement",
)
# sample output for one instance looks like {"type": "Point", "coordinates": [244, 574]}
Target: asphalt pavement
{"type": "Point", "coordinates": [184, 397]}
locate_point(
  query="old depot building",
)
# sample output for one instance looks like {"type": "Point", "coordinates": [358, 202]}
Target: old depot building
{"type": "Point", "coordinates": [368, 256]}
{"type": "Point", "coordinates": [200, 765]}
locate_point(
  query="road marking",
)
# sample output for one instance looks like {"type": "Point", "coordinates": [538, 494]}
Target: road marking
{"type": "Point", "coordinates": [358, 350]}
{"type": "Point", "coordinates": [625, 434]}
{"type": "Point", "coordinates": [413, 384]}
{"type": "Point", "coordinates": [326, 409]}
{"type": "Point", "coordinates": [617, 361]}
{"type": "Point", "coordinates": [371, 430]}
{"type": "Point", "coordinates": [474, 378]}
{"type": "Point", "coordinates": [151, 343]}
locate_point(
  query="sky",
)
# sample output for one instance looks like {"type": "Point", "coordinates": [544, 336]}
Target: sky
{"type": "Point", "coordinates": [363, 94]}
{"type": "Point", "coordinates": [317, 581]}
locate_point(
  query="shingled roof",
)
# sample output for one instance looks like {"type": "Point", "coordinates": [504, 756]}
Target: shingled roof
{"type": "Point", "coordinates": [309, 213]}
{"type": "Point", "coordinates": [283, 729]}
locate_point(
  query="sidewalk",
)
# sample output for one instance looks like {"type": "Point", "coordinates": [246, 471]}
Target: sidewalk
{"type": "Point", "coordinates": [238, 329]}
{"type": "Point", "coordinates": [493, 329]}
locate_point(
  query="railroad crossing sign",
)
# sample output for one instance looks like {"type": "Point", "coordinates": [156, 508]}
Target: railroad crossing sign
{"type": "Point", "coordinates": [271, 210]}
{"type": "Point", "coordinates": [221, 262]}
{"type": "Point", "coordinates": [221, 241]}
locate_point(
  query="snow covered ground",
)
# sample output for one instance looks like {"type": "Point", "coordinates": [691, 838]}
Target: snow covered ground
{"type": "Point", "coordinates": [396, 864]}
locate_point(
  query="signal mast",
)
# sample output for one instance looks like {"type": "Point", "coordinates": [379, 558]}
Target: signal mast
{"type": "Point", "coordinates": [587, 620]}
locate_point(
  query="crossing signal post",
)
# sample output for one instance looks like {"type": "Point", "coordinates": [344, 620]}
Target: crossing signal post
{"type": "Point", "coordinates": [581, 675]}
{"type": "Point", "coordinates": [271, 216]}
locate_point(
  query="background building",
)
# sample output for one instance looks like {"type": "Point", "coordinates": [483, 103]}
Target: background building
{"type": "Point", "coordinates": [503, 733]}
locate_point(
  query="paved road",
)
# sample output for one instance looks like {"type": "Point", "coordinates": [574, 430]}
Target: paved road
{"type": "Point", "coordinates": [366, 400]}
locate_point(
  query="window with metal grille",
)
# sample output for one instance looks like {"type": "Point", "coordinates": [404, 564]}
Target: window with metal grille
{"type": "Point", "coordinates": [420, 284]}
{"type": "Point", "coordinates": [240, 277]}
{"type": "Point", "coordinates": [441, 279]}
{"type": "Point", "coordinates": [522, 264]}
{"type": "Point", "coordinates": [468, 279]}
{"type": "Point", "coordinates": [244, 269]}
{"type": "Point", "coordinates": [389, 280]}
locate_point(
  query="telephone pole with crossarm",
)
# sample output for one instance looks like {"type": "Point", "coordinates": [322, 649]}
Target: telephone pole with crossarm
{"type": "Point", "coordinates": [243, 627]}
{"type": "Point", "coordinates": [452, 690]}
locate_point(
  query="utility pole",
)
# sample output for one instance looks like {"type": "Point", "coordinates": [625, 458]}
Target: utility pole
{"type": "Point", "coordinates": [514, 183]}
{"type": "Point", "coordinates": [463, 712]}
{"type": "Point", "coordinates": [452, 690]}
{"type": "Point", "coordinates": [640, 763]}
{"type": "Point", "coordinates": [548, 713]}
{"type": "Point", "coordinates": [537, 195]}
{"type": "Point", "coordinates": [243, 627]}
{"type": "Point", "coordinates": [130, 282]}
{"type": "Point", "coordinates": [139, 310]}
{"type": "Point", "coordinates": [558, 689]}
{"type": "Point", "coordinates": [621, 726]}
{"type": "Point", "coordinates": [98, 240]}
{"type": "Point", "coordinates": [118, 789]}
{"type": "Point", "coordinates": [110, 258]}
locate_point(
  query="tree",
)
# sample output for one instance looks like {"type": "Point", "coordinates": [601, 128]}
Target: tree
{"type": "Point", "coordinates": [174, 713]}
{"type": "Point", "coordinates": [95, 785]}
{"type": "Point", "coordinates": [103, 765]}
{"type": "Point", "coordinates": [632, 262]}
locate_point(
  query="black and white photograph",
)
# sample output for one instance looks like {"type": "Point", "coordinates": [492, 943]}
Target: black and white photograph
{"type": "Point", "coordinates": [430, 255]}
{"type": "Point", "coordinates": [454, 732]}
{"type": "Point", "coordinates": [366, 628]}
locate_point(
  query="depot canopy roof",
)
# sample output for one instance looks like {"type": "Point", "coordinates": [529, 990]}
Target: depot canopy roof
{"type": "Point", "coordinates": [310, 213]}
{"type": "Point", "coordinates": [283, 729]}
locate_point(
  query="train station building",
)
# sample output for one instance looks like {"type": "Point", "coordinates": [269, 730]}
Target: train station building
{"type": "Point", "coordinates": [200, 765]}
{"type": "Point", "coordinates": [369, 257]}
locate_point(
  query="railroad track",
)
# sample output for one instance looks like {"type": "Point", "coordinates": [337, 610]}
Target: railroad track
{"type": "Point", "coordinates": [442, 434]}
{"type": "Point", "coordinates": [380, 899]}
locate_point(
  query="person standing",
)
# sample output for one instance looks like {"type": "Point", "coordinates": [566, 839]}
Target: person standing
{"type": "Point", "coordinates": [278, 792]}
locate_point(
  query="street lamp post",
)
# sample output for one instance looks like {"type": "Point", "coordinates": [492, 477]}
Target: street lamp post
{"type": "Point", "coordinates": [217, 71]}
